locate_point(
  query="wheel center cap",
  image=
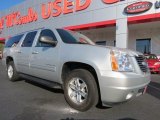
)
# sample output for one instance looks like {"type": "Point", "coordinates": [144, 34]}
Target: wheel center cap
{"type": "Point", "coordinates": [78, 90]}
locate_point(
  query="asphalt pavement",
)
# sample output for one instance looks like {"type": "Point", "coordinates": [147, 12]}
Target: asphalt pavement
{"type": "Point", "coordinates": [25, 100]}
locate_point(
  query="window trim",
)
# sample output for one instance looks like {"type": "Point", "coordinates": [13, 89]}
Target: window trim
{"type": "Point", "coordinates": [25, 37]}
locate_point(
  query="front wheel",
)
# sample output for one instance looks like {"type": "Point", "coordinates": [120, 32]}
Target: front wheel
{"type": "Point", "coordinates": [80, 90]}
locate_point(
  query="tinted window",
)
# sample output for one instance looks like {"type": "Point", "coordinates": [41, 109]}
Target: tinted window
{"type": "Point", "coordinates": [47, 33]}
{"type": "Point", "coordinates": [72, 37]}
{"type": "Point", "coordinates": [28, 41]}
{"type": "Point", "coordinates": [13, 41]}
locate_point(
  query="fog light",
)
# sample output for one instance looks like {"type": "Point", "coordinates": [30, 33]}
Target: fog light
{"type": "Point", "coordinates": [129, 96]}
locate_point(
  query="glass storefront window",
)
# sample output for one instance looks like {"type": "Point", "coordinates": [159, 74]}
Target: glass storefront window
{"type": "Point", "coordinates": [143, 45]}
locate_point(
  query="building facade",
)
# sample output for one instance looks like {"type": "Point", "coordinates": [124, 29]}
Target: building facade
{"type": "Point", "coordinates": [133, 24]}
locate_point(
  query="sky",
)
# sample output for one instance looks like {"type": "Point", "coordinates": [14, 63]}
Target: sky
{"type": "Point", "coordinates": [6, 4]}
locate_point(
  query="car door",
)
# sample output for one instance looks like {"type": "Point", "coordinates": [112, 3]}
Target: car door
{"type": "Point", "coordinates": [24, 53]}
{"type": "Point", "coordinates": [45, 58]}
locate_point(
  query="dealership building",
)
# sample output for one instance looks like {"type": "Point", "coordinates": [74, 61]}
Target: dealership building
{"type": "Point", "coordinates": [133, 24]}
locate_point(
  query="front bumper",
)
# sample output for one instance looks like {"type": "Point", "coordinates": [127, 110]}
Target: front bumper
{"type": "Point", "coordinates": [116, 87]}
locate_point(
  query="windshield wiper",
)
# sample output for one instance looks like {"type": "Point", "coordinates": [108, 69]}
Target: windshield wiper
{"type": "Point", "coordinates": [81, 43]}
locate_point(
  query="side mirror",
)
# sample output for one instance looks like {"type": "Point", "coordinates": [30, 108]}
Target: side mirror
{"type": "Point", "coordinates": [48, 40]}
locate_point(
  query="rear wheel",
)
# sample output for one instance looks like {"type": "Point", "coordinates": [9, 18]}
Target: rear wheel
{"type": "Point", "coordinates": [80, 90]}
{"type": "Point", "coordinates": [11, 72]}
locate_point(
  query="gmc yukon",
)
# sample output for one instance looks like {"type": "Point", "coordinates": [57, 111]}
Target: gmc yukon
{"type": "Point", "coordinates": [87, 73]}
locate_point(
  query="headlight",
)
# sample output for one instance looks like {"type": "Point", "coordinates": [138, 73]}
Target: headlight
{"type": "Point", "coordinates": [157, 63]}
{"type": "Point", "coordinates": [120, 61]}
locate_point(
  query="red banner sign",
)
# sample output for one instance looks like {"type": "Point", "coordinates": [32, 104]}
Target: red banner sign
{"type": "Point", "coordinates": [51, 9]}
{"type": "Point", "coordinates": [1, 23]}
{"type": "Point", "coordinates": [16, 19]}
{"type": "Point", "coordinates": [138, 7]}
{"type": "Point", "coordinates": [54, 9]}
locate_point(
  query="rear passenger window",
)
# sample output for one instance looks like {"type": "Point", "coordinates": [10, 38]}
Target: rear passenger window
{"type": "Point", "coordinates": [28, 41]}
{"type": "Point", "coordinates": [13, 41]}
{"type": "Point", "coordinates": [47, 33]}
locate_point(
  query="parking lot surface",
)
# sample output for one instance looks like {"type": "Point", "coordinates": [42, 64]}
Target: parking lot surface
{"type": "Point", "coordinates": [24, 100]}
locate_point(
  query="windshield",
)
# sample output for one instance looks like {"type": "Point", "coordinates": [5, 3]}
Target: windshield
{"type": "Point", "coordinates": [72, 37]}
{"type": "Point", "coordinates": [151, 57]}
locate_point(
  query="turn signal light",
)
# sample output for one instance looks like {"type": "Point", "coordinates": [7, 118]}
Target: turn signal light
{"type": "Point", "coordinates": [114, 62]}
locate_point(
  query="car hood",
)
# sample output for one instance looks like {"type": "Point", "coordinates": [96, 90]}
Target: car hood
{"type": "Point", "coordinates": [128, 51]}
{"type": "Point", "coordinates": [152, 61]}
{"type": "Point", "coordinates": [96, 48]}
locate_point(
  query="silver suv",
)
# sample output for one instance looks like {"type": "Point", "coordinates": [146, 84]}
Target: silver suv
{"type": "Point", "coordinates": [88, 74]}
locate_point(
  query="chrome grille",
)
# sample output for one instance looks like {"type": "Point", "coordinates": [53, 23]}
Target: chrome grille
{"type": "Point", "coordinates": [142, 63]}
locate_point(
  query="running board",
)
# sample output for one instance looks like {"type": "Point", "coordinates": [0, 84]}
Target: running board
{"type": "Point", "coordinates": [42, 81]}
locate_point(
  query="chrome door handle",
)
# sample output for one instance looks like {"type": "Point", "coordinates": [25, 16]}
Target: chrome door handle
{"type": "Point", "coordinates": [34, 52]}
{"type": "Point", "coordinates": [19, 51]}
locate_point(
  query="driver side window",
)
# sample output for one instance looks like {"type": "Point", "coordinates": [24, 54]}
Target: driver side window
{"type": "Point", "coordinates": [47, 33]}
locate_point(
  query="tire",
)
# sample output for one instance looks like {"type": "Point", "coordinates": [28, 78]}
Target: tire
{"type": "Point", "coordinates": [80, 90]}
{"type": "Point", "coordinates": [11, 72]}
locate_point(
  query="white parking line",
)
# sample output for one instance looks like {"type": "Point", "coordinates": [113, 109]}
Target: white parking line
{"type": "Point", "coordinates": [154, 87]}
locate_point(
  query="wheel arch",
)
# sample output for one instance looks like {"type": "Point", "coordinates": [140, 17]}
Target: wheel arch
{"type": "Point", "coordinates": [69, 66]}
{"type": "Point", "coordinates": [8, 59]}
